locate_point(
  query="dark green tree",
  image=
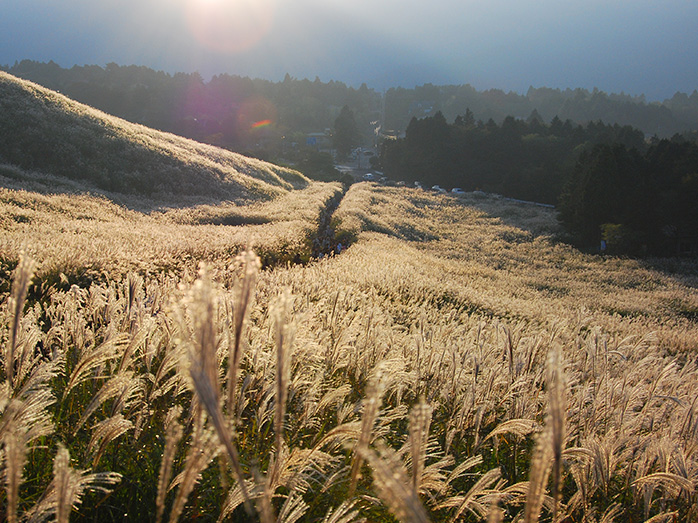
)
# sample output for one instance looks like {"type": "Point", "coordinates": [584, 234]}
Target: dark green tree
{"type": "Point", "coordinates": [609, 185]}
{"type": "Point", "coordinates": [346, 134]}
{"type": "Point", "coordinates": [318, 166]}
{"type": "Point", "coordinates": [467, 120]}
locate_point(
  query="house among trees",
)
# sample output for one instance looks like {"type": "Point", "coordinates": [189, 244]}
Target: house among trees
{"type": "Point", "coordinates": [319, 141]}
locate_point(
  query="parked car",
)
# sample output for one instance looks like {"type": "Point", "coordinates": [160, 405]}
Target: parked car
{"type": "Point", "coordinates": [438, 188]}
{"type": "Point", "coordinates": [457, 190]}
{"type": "Point", "coordinates": [369, 177]}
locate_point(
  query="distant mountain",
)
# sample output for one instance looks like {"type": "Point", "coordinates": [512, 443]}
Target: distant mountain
{"type": "Point", "coordinates": [43, 130]}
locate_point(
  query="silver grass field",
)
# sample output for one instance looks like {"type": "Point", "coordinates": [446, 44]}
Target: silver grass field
{"type": "Point", "coordinates": [483, 372]}
{"type": "Point", "coordinates": [179, 358]}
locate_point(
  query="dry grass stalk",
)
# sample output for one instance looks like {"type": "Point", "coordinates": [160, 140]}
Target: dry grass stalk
{"type": "Point", "coordinates": [173, 435]}
{"type": "Point", "coordinates": [20, 285]}
{"type": "Point", "coordinates": [15, 455]}
{"type": "Point", "coordinates": [284, 341]}
{"type": "Point", "coordinates": [93, 360]}
{"type": "Point", "coordinates": [673, 482]}
{"type": "Point", "coordinates": [669, 517]}
{"type": "Point", "coordinates": [65, 491]}
{"type": "Point", "coordinates": [496, 515]}
{"type": "Point", "coordinates": [65, 488]}
{"type": "Point", "coordinates": [204, 370]}
{"type": "Point", "coordinates": [27, 413]}
{"type": "Point", "coordinates": [548, 453]}
{"type": "Point", "coordinates": [611, 513]}
{"type": "Point", "coordinates": [557, 406]}
{"type": "Point", "coordinates": [202, 450]}
{"type": "Point", "coordinates": [518, 427]}
{"type": "Point", "coordinates": [105, 432]}
{"type": "Point", "coordinates": [234, 499]}
{"type": "Point", "coordinates": [242, 306]}
{"type": "Point", "coordinates": [420, 419]}
{"type": "Point", "coordinates": [372, 404]}
{"type": "Point", "coordinates": [476, 499]}
{"type": "Point", "coordinates": [393, 486]}
{"type": "Point", "coordinates": [344, 513]}
{"type": "Point", "coordinates": [263, 494]}
{"type": "Point", "coordinates": [122, 386]}
{"type": "Point", "coordinates": [293, 509]}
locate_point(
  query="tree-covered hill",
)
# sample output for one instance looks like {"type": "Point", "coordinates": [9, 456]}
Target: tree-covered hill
{"type": "Point", "coordinates": [224, 109]}
{"type": "Point", "coordinates": [45, 131]}
{"type": "Point", "coordinates": [581, 106]}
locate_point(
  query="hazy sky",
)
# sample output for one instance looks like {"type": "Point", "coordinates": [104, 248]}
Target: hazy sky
{"type": "Point", "coordinates": [638, 46]}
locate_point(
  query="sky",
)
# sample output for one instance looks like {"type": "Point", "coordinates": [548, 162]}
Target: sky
{"type": "Point", "coordinates": [637, 47]}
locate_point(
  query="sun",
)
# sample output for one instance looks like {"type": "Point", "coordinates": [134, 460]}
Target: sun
{"type": "Point", "coordinates": [230, 26]}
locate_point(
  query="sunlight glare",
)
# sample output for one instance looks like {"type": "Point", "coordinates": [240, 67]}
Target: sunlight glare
{"type": "Point", "coordinates": [230, 26]}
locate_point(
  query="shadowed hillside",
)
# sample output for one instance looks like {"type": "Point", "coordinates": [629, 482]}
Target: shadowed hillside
{"type": "Point", "coordinates": [44, 131]}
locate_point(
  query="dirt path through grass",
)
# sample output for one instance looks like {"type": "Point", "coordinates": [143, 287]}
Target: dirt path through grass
{"type": "Point", "coordinates": [325, 242]}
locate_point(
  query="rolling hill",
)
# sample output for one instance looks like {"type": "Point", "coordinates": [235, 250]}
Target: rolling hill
{"type": "Point", "coordinates": [42, 130]}
{"type": "Point", "coordinates": [86, 193]}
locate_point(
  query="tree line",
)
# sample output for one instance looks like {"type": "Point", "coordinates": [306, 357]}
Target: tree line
{"type": "Point", "coordinates": [664, 119]}
{"type": "Point", "coordinates": [635, 201]}
{"type": "Point", "coordinates": [526, 159]}
{"type": "Point", "coordinates": [224, 109]}
{"type": "Point", "coordinates": [607, 181]}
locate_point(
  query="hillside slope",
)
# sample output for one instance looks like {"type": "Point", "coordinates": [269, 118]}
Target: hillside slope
{"type": "Point", "coordinates": [477, 340]}
{"type": "Point", "coordinates": [45, 131]}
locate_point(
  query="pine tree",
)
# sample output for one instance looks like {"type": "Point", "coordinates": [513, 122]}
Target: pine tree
{"type": "Point", "coordinates": [346, 134]}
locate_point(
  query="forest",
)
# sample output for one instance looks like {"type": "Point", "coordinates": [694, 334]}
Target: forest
{"type": "Point", "coordinates": [529, 159]}
{"type": "Point", "coordinates": [607, 181]}
{"type": "Point", "coordinates": [223, 109]}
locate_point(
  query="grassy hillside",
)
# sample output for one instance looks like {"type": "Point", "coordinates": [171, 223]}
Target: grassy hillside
{"type": "Point", "coordinates": [456, 362]}
{"type": "Point", "coordinates": [90, 196]}
{"type": "Point", "coordinates": [499, 258]}
{"type": "Point", "coordinates": [41, 130]}
{"type": "Point", "coordinates": [81, 238]}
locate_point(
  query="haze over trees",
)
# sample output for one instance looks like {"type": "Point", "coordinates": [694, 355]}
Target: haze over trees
{"type": "Point", "coordinates": [220, 109]}
{"type": "Point", "coordinates": [346, 133]}
{"type": "Point", "coordinates": [524, 159]}
{"type": "Point", "coordinates": [636, 202]}
{"type": "Point", "coordinates": [607, 181]}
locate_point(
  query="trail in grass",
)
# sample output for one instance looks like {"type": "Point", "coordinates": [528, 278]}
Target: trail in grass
{"type": "Point", "coordinates": [325, 242]}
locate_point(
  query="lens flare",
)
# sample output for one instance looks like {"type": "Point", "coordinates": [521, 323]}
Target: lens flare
{"type": "Point", "coordinates": [261, 123]}
{"type": "Point", "coordinates": [229, 26]}
{"type": "Point", "coordinates": [256, 112]}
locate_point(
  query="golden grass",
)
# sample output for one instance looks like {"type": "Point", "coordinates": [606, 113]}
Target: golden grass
{"type": "Point", "coordinates": [473, 259]}
{"type": "Point", "coordinates": [73, 234]}
{"type": "Point", "coordinates": [443, 367]}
